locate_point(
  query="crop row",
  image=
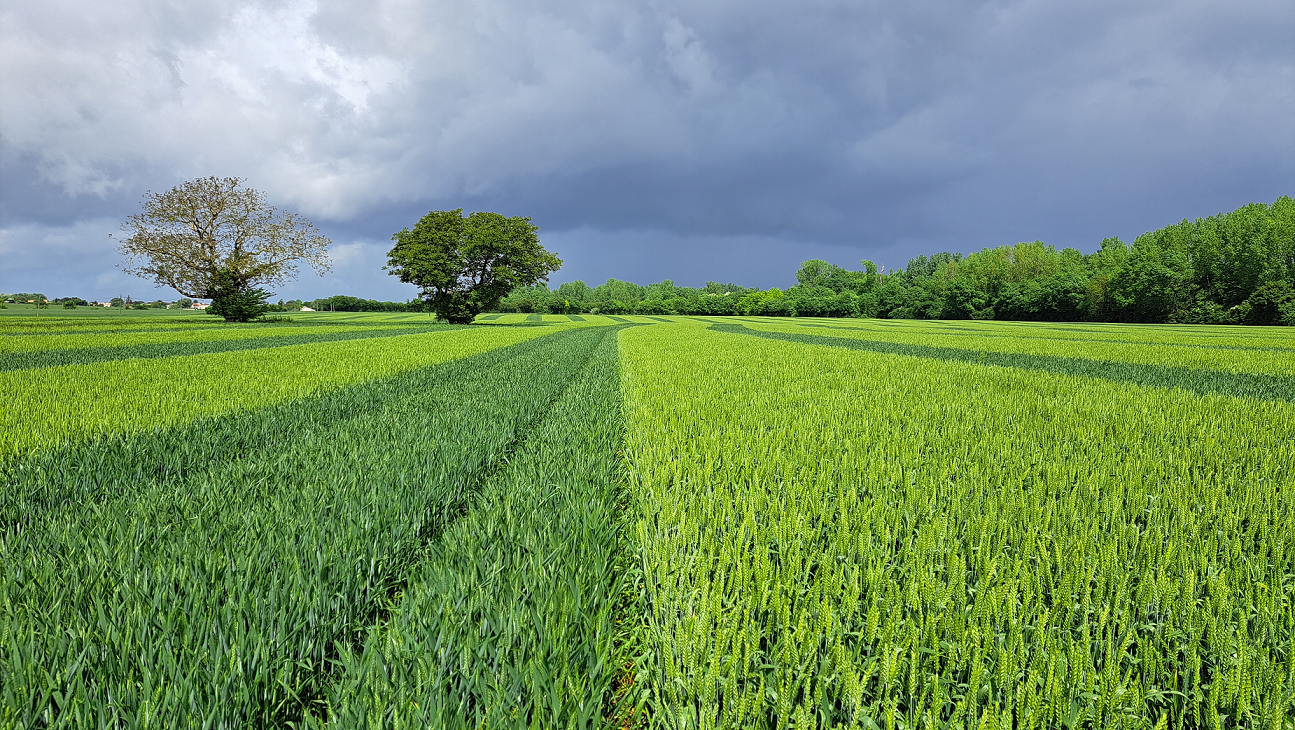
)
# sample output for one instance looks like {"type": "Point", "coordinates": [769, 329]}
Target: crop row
{"type": "Point", "coordinates": [1246, 337]}
{"type": "Point", "coordinates": [837, 538]}
{"type": "Point", "coordinates": [60, 341]}
{"type": "Point", "coordinates": [833, 524]}
{"type": "Point", "coordinates": [1265, 362]}
{"type": "Point", "coordinates": [1272, 339]}
{"type": "Point", "coordinates": [220, 592]}
{"type": "Point", "coordinates": [89, 325]}
{"type": "Point", "coordinates": [197, 346]}
{"type": "Point", "coordinates": [1113, 337]}
{"type": "Point", "coordinates": [1241, 384]}
{"type": "Point", "coordinates": [509, 618]}
{"type": "Point", "coordinates": [49, 406]}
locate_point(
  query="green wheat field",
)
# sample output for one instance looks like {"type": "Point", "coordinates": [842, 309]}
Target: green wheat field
{"type": "Point", "coordinates": [550, 521]}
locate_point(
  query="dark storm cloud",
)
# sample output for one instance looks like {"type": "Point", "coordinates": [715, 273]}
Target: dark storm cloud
{"type": "Point", "coordinates": [698, 141]}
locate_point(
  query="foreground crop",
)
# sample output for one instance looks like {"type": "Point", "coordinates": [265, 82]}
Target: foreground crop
{"type": "Point", "coordinates": [836, 537]}
{"type": "Point", "coordinates": [549, 522]}
{"type": "Point", "coordinates": [218, 591]}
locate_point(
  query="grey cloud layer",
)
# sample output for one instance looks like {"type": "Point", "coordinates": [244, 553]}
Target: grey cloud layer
{"type": "Point", "coordinates": [664, 137]}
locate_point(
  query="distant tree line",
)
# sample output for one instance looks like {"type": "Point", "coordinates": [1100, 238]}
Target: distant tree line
{"type": "Point", "coordinates": [343, 303]}
{"type": "Point", "coordinates": [623, 297]}
{"type": "Point", "coordinates": [1232, 268]}
{"type": "Point", "coordinates": [41, 301]}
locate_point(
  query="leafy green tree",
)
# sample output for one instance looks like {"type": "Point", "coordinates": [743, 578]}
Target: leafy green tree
{"type": "Point", "coordinates": [614, 290]}
{"type": "Point", "coordinates": [235, 300]}
{"type": "Point", "coordinates": [1100, 267]}
{"type": "Point", "coordinates": [719, 302]}
{"type": "Point", "coordinates": [1155, 281]}
{"type": "Point", "coordinates": [962, 300]}
{"type": "Point", "coordinates": [207, 235]}
{"type": "Point", "coordinates": [575, 293]}
{"type": "Point", "coordinates": [653, 305]}
{"type": "Point", "coordinates": [527, 299]}
{"type": "Point", "coordinates": [770, 303]}
{"type": "Point", "coordinates": [465, 265]}
{"type": "Point", "coordinates": [718, 289]}
{"type": "Point", "coordinates": [1270, 304]}
{"type": "Point", "coordinates": [819, 273]}
{"type": "Point", "coordinates": [820, 301]}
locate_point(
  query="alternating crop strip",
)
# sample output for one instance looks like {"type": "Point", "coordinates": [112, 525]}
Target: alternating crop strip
{"type": "Point", "coordinates": [1074, 340]}
{"type": "Point", "coordinates": [86, 325]}
{"type": "Point", "coordinates": [9, 332]}
{"type": "Point", "coordinates": [1259, 338]}
{"type": "Point", "coordinates": [1252, 385]}
{"type": "Point", "coordinates": [835, 538]}
{"type": "Point", "coordinates": [36, 342]}
{"type": "Point", "coordinates": [122, 338]}
{"type": "Point", "coordinates": [49, 406]}
{"type": "Point", "coordinates": [216, 594]}
{"type": "Point", "coordinates": [1251, 361]}
{"type": "Point", "coordinates": [284, 338]}
{"type": "Point", "coordinates": [87, 470]}
{"type": "Point", "coordinates": [508, 620]}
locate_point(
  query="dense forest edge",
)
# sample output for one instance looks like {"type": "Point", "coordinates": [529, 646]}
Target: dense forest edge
{"type": "Point", "coordinates": [1231, 268]}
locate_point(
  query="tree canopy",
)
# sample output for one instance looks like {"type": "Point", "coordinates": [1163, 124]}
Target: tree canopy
{"type": "Point", "coordinates": [214, 238]}
{"type": "Point", "coordinates": [1231, 268]}
{"type": "Point", "coordinates": [464, 265]}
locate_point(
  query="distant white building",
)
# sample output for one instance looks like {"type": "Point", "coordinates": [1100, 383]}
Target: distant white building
{"type": "Point", "coordinates": [200, 305]}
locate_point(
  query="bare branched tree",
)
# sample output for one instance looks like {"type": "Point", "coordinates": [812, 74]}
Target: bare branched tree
{"type": "Point", "coordinates": [214, 230]}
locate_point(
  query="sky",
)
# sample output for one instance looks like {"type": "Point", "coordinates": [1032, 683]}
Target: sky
{"type": "Point", "coordinates": [725, 141]}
